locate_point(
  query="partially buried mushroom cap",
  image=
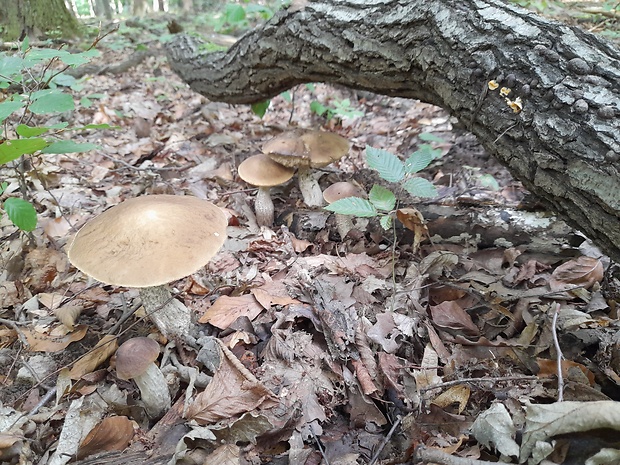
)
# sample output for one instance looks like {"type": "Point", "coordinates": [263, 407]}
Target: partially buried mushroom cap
{"type": "Point", "coordinates": [342, 190]}
{"type": "Point", "coordinates": [149, 241]}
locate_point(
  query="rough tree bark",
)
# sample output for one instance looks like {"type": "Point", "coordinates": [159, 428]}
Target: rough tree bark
{"type": "Point", "coordinates": [565, 143]}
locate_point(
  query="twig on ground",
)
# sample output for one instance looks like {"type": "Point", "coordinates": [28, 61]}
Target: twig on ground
{"type": "Point", "coordinates": [386, 439]}
{"type": "Point", "coordinates": [320, 447]}
{"type": "Point", "coordinates": [478, 380]}
{"type": "Point", "coordinates": [558, 351]}
{"type": "Point", "coordinates": [426, 455]}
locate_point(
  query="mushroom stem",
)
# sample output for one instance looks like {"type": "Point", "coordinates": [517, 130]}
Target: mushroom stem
{"type": "Point", "coordinates": [309, 187]}
{"type": "Point", "coordinates": [344, 223]}
{"type": "Point", "coordinates": [153, 391]}
{"type": "Point", "coordinates": [263, 206]}
{"type": "Point", "coordinates": [171, 317]}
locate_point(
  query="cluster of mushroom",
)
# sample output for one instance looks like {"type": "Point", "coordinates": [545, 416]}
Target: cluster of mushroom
{"type": "Point", "coordinates": [301, 150]}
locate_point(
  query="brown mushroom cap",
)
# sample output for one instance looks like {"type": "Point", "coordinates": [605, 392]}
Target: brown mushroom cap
{"type": "Point", "coordinates": [134, 356]}
{"type": "Point", "coordinates": [149, 241]}
{"type": "Point", "coordinates": [309, 149]}
{"type": "Point", "coordinates": [260, 170]}
{"type": "Point", "coordinates": [341, 190]}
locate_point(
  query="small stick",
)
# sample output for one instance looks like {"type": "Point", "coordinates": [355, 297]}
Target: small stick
{"type": "Point", "coordinates": [558, 350]}
{"type": "Point", "coordinates": [386, 439]}
{"type": "Point", "coordinates": [427, 455]}
{"type": "Point", "coordinates": [478, 380]}
{"type": "Point", "coordinates": [318, 444]}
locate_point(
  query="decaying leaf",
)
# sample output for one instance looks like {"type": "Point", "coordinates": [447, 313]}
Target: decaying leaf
{"type": "Point", "coordinates": [413, 220]}
{"type": "Point", "coordinates": [582, 272]}
{"type": "Point", "coordinates": [40, 342]}
{"type": "Point", "coordinates": [113, 433]}
{"type": "Point", "coordinates": [104, 349]}
{"type": "Point", "coordinates": [227, 309]}
{"type": "Point", "coordinates": [543, 421]}
{"type": "Point", "coordinates": [427, 376]}
{"type": "Point", "coordinates": [454, 395]}
{"type": "Point", "coordinates": [232, 391]}
{"type": "Point", "coordinates": [450, 316]}
{"type": "Point", "coordinates": [68, 314]}
{"type": "Point", "coordinates": [495, 428]}
{"type": "Point", "coordinates": [436, 262]}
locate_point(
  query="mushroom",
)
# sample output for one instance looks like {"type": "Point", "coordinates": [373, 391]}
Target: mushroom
{"type": "Point", "coordinates": [135, 359]}
{"type": "Point", "coordinates": [338, 191]}
{"type": "Point", "coordinates": [263, 172]}
{"type": "Point", "coordinates": [305, 150]}
{"type": "Point", "coordinates": [148, 242]}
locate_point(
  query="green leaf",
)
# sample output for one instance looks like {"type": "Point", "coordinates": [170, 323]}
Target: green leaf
{"type": "Point", "coordinates": [51, 101]}
{"type": "Point", "coordinates": [318, 108]}
{"type": "Point", "coordinates": [68, 146]}
{"type": "Point", "coordinates": [382, 198]}
{"type": "Point", "coordinates": [418, 160]}
{"type": "Point", "coordinates": [260, 108]}
{"type": "Point", "coordinates": [487, 180]}
{"type": "Point", "coordinates": [234, 13]}
{"type": "Point", "coordinates": [3, 186]}
{"type": "Point", "coordinates": [429, 137]}
{"type": "Point", "coordinates": [286, 95]}
{"type": "Point", "coordinates": [387, 164]}
{"type": "Point", "coordinates": [420, 187]}
{"type": "Point", "coordinates": [386, 222]}
{"type": "Point", "coordinates": [9, 106]}
{"type": "Point", "coordinates": [353, 206]}
{"type": "Point", "coordinates": [21, 213]}
{"type": "Point", "coordinates": [28, 131]}
{"type": "Point", "coordinates": [13, 149]}
{"type": "Point", "coordinates": [64, 80]}
{"type": "Point", "coordinates": [25, 44]}
{"type": "Point", "coordinates": [11, 66]}
{"type": "Point", "coordinates": [93, 126]}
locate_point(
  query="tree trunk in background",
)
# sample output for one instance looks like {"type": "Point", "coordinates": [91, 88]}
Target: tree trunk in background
{"type": "Point", "coordinates": [103, 9]}
{"type": "Point", "coordinates": [140, 7]}
{"type": "Point", "coordinates": [34, 18]}
{"type": "Point", "coordinates": [188, 6]}
{"type": "Point", "coordinates": [565, 143]}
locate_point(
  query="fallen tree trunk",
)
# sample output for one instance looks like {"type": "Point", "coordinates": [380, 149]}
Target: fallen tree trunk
{"type": "Point", "coordinates": [558, 130]}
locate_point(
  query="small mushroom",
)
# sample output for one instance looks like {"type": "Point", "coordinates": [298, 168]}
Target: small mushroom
{"type": "Point", "coordinates": [148, 242]}
{"type": "Point", "coordinates": [305, 150]}
{"type": "Point", "coordinates": [135, 359]}
{"type": "Point", "coordinates": [263, 172]}
{"type": "Point", "coordinates": [338, 191]}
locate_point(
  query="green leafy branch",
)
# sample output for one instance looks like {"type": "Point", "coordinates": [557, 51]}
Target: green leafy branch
{"type": "Point", "coordinates": [381, 200]}
{"type": "Point", "coordinates": [38, 92]}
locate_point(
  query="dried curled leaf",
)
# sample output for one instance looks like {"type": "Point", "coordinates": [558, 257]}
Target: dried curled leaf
{"type": "Point", "coordinates": [113, 433]}
{"type": "Point", "coordinates": [582, 272]}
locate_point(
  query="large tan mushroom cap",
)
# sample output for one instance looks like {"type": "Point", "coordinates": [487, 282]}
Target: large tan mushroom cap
{"type": "Point", "coordinates": [134, 356]}
{"type": "Point", "coordinates": [260, 170]}
{"type": "Point", "coordinates": [149, 241]}
{"type": "Point", "coordinates": [310, 149]}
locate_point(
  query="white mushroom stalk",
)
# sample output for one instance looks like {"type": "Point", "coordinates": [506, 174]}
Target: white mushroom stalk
{"type": "Point", "coordinates": [153, 391]}
{"type": "Point", "coordinates": [171, 316]}
{"type": "Point", "coordinates": [309, 187]}
{"type": "Point", "coordinates": [263, 207]}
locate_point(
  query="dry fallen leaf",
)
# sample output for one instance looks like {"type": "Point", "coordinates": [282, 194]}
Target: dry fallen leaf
{"type": "Point", "coordinates": [455, 395]}
{"type": "Point", "coordinates": [225, 310]}
{"type": "Point", "coordinates": [68, 314]}
{"type": "Point", "coordinates": [413, 220]}
{"type": "Point", "coordinates": [113, 433]}
{"type": "Point", "coordinates": [40, 342]}
{"type": "Point", "coordinates": [450, 316]}
{"type": "Point", "coordinates": [104, 349]}
{"type": "Point", "coordinates": [582, 272]}
{"type": "Point", "coordinates": [233, 390]}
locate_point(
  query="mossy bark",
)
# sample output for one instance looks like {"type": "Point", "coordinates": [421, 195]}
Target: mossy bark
{"type": "Point", "coordinates": [36, 18]}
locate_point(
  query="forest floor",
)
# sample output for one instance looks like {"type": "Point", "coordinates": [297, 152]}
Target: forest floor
{"type": "Point", "coordinates": [352, 350]}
